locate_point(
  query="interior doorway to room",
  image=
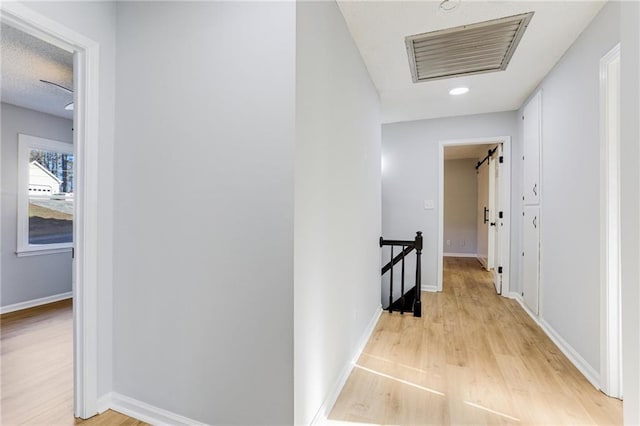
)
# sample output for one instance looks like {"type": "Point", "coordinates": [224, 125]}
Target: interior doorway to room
{"type": "Point", "coordinates": [474, 205]}
{"type": "Point", "coordinates": [86, 193]}
{"type": "Point", "coordinates": [39, 167]}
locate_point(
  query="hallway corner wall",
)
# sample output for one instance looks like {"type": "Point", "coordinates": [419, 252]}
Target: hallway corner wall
{"type": "Point", "coordinates": [337, 207]}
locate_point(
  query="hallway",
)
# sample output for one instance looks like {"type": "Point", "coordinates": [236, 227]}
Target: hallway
{"type": "Point", "coordinates": [473, 357]}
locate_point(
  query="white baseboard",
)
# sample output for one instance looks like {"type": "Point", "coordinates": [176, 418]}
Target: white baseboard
{"type": "Point", "coordinates": [474, 255]}
{"type": "Point", "coordinates": [431, 288]}
{"type": "Point", "coordinates": [104, 402]}
{"type": "Point", "coordinates": [142, 411]}
{"type": "Point", "coordinates": [35, 302]}
{"type": "Point", "coordinates": [332, 396]}
{"type": "Point", "coordinates": [515, 296]}
{"type": "Point", "coordinates": [583, 366]}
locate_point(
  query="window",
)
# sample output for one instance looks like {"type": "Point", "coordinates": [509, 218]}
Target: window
{"type": "Point", "coordinates": [45, 195]}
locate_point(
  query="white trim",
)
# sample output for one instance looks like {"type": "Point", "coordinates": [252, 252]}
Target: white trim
{"type": "Point", "coordinates": [474, 255]}
{"type": "Point", "coordinates": [583, 366]}
{"type": "Point", "coordinates": [142, 411]}
{"type": "Point", "coordinates": [334, 393]}
{"type": "Point", "coordinates": [505, 202]}
{"type": "Point", "coordinates": [104, 402]}
{"type": "Point", "coordinates": [430, 288]}
{"type": "Point", "coordinates": [610, 284]}
{"type": "Point", "coordinates": [86, 64]}
{"type": "Point", "coordinates": [514, 295]}
{"type": "Point", "coordinates": [39, 251]}
{"type": "Point", "coordinates": [35, 302]}
{"type": "Point", "coordinates": [85, 270]}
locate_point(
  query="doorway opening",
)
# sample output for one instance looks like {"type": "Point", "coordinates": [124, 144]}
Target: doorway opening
{"type": "Point", "coordinates": [474, 213]}
{"type": "Point", "coordinates": [38, 166]}
{"type": "Point", "coordinates": [84, 156]}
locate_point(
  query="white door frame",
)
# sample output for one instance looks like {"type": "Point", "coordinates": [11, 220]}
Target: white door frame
{"type": "Point", "coordinates": [497, 250]}
{"type": "Point", "coordinates": [85, 223]}
{"type": "Point", "coordinates": [505, 203]}
{"type": "Point", "coordinates": [610, 295]}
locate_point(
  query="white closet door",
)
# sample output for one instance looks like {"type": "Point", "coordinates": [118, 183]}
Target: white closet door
{"type": "Point", "coordinates": [531, 257]}
{"type": "Point", "coordinates": [532, 142]}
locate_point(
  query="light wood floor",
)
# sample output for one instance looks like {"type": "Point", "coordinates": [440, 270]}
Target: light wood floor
{"type": "Point", "coordinates": [473, 358]}
{"type": "Point", "coordinates": [36, 369]}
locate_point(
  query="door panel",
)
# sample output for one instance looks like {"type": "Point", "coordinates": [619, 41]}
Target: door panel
{"type": "Point", "coordinates": [532, 142]}
{"type": "Point", "coordinates": [531, 257]}
{"type": "Point", "coordinates": [483, 215]}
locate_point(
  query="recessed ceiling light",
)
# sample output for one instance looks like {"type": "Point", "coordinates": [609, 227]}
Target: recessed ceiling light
{"type": "Point", "coordinates": [459, 91]}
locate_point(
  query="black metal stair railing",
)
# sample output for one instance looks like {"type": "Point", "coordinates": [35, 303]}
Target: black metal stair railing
{"type": "Point", "coordinates": [404, 303]}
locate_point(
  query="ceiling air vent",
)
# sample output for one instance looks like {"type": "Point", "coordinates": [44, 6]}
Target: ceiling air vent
{"type": "Point", "coordinates": [469, 49]}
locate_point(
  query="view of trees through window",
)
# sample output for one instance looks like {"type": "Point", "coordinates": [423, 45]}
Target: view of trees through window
{"type": "Point", "coordinates": [51, 184]}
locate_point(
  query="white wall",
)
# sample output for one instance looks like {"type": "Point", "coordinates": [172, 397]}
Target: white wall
{"type": "Point", "coordinates": [337, 204]}
{"type": "Point", "coordinates": [203, 297]}
{"type": "Point", "coordinates": [460, 206]}
{"type": "Point", "coordinates": [630, 207]}
{"type": "Point", "coordinates": [570, 199]}
{"type": "Point", "coordinates": [96, 20]}
{"type": "Point", "coordinates": [410, 176]}
{"type": "Point", "coordinates": [32, 277]}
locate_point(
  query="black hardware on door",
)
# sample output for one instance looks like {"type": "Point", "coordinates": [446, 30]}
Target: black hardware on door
{"type": "Point", "coordinates": [486, 219]}
{"type": "Point", "coordinates": [535, 221]}
{"type": "Point", "coordinates": [535, 189]}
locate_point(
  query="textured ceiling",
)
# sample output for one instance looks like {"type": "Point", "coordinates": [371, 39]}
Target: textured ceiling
{"type": "Point", "coordinates": [379, 29]}
{"type": "Point", "coordinates": [25, 61]}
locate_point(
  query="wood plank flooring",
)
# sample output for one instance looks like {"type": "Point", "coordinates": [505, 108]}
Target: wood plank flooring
{"type": "Point", "coordinates": [36, 369]}
{"type": "Point", "coordinates": [473, 358]}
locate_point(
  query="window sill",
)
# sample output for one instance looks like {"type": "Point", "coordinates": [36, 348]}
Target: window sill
{"type": "Point", "coordinates": [41, 251]}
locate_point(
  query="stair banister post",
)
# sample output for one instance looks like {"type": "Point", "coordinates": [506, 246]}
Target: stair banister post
{"type": "Point", "coordinates": [402, 285]}
{"type": "Point", "coordinates": [417, 307]}
{"type": "Point", "coordinates": [391, 284]}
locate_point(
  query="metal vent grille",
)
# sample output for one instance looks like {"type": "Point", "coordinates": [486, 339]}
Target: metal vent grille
{"type": "Point", "coordinates": [470, 49]}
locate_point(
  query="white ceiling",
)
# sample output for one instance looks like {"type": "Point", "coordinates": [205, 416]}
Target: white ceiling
{"type": "Point", "coordinates": [25, 61]}
{"type": "Point", "coordinates": [459, 152]}
{"type": "Point", "coordinates": [380, 27]}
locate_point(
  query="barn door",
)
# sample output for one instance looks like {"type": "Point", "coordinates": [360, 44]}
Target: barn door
{"type": "Point", "coordinates": [483, 215]}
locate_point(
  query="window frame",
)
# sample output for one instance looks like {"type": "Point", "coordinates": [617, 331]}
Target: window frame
{"type": "Point", "coordinates": [26, 143]}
